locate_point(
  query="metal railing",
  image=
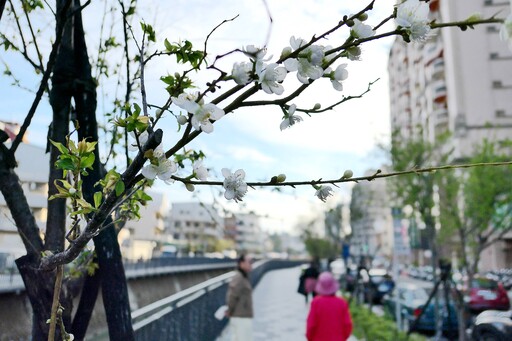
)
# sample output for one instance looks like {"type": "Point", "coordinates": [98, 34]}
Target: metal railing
{"type": "Point", "coordinates": [12, 282]}
{"type": "Point", "coordinates": [189, 314]}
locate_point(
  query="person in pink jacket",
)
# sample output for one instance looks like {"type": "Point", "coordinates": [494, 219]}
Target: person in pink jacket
{"type": "Point", "coordinates": [329, 317]}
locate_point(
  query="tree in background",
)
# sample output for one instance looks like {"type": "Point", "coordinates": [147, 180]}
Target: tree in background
{"type": "Point", "coordinates": [417, 190]}
{"type": "Point", "coordinates": [475, 209]}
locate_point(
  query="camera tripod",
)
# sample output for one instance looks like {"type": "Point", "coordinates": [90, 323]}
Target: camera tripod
{"type": "Point", "coordinates": [445, 280]}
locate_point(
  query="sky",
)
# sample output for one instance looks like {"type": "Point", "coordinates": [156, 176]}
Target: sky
{"type": "Point", "coordinates": [322, 146]}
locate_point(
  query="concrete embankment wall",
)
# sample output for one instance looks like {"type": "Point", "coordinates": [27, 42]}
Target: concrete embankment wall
{"type": "Point", "coordinates": [16, 312]}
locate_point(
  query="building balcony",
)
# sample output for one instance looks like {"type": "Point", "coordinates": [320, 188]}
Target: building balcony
{"type": "Point", "coordinates": [437, 69]}
{"type": "Point", "coordinates": [441, 114]}
{"type": "Point", "coordinates": [439, 92]}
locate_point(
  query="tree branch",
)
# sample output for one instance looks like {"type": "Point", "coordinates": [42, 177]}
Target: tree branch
{"type": "Point", "coordinates": [46, 76]}
{"type": "Point", "coordinates": [92, 227]}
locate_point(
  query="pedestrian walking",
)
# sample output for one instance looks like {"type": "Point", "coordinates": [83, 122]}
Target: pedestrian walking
{"type": "Point", "coordinates": [329, 316]}
{"type": "Point", "coordinates": [309, 279]}
{"type": "Point", "coordinates": [239, 301]}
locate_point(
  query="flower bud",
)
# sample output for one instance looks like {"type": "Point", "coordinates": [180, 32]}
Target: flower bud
{"type": "Point", "coordinates": [286, 52]}
{"type": "Point", "coordinates": [317, 106]}
{"type": "Point", "coordinates": [176, 75]}
{"type": "Point", "coordinates": [474, 17]}
{"type": "Point", "coordinates": [347, 174]}
{"type": "Point", "coordinates": [363, 16]}
{"type": "Point", "coordinates": [281, 178]}
{"type": "Point", "coordinates": [182, 119]}
{"type": "Point", "coordinates": [190, 187]}
{"type": "Point", "coordinates": [350, 23]}
{"type": "Point", "coordinates": [72, 191]}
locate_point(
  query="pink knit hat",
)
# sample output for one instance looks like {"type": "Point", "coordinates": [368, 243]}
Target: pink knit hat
{"type": "Point", "coordinates": [326, 284]}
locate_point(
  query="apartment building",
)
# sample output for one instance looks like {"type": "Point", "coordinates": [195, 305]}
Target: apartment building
{"type": "Point", "coordinates": [194, 226]}
{"type": "Point", "coordinates": [456, 82]}
{"type": "Point", "coordinates": [146, 237]}
{"type": "Point", "coordinates": [34, 182]}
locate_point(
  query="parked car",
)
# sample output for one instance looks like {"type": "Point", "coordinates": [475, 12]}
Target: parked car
{"type": "Point", "coordinates": [485, 293]}
{"type": "Point", "coordinates": [412, 298]}
{"type": "Point", "coordinates": [378, 283]}
{"type": "Point", "coordinates": [492, 325]}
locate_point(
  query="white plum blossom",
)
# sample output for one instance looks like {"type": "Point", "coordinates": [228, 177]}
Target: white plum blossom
{"type": "Point", "coordinates": [161, 168]}
{"type": "Point", "coordinates": [323, 193]}
{"type": "Point", "coordinates": [142, 137]}
{"type": "Point", "coordinates": [290, 118]}
{"type": "Point", "coordinates": [200, 171]}
{"type": "Point", "coordinates": [255, 53]}
{"type": "Point", "coordinates": [234, 184]}
{"type": "Point", "coordinates": [506, 31]}
{"type": "Point", "coordinates": [354, 53]}
{"type": "Point", "coordinates": [241, 73]}
{"type": "Point", "coordinates": [269, 76]}
{"type": "Point", "coordinates": [360, 30]}
{"type": "Point", "coordinates": [308, 64]}
{"type": "Point", "coordinates": [182, 119]}
{"type": "Point", "coordinates": [412, 15]}
{"type": "Point", "coordinates": [201, 113]}
{"type": "Point", "coordinates": [337, 76]}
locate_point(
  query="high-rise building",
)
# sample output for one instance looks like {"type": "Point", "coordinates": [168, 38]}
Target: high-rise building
{"type": "Point", "coordinates": [456, 82]}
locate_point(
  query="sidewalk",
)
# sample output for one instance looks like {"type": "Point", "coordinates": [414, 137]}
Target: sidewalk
{"type": "Point", "coordinates": [280, 312]}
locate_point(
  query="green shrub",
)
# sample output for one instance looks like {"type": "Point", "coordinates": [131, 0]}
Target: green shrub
{"type": "Point", "coordinates": [370, 327]}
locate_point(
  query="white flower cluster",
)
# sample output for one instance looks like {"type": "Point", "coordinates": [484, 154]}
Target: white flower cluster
{"type": "Point", "coordinates": [159, 166]}
{"type": "Point", "coordinates": [506, 31]}
{"type": "Point", "coordinates": [412, 15]}
{"type": "Point", "coordinates": [201, 113]}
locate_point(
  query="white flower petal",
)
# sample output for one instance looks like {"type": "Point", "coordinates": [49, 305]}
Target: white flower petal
{"type": "Point", "coordinates": [149, 172]}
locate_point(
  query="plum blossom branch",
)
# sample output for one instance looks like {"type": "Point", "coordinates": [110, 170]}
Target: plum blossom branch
{"type": "Point", "coordinates": [377, 175]}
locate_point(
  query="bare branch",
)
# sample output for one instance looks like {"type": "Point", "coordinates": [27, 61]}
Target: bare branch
{"type": "Point", "coordinates": [44, 80]}
{"type": "Point", "coordinates": [376, 175]}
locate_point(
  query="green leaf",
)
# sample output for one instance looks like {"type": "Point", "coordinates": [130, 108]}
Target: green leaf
{"type": "Point", "coordinates": [119, 188]}
{"type": "Point", "coordinates": [66, 164]}
{"type": "Point", "coordinates": [97, 199]}
{"type": "Point", "coordinates": [87, 161]}
{"type": "Point", "coordinates": [62, 149]}
{"type": "Point", "coordinates": [168, 46]}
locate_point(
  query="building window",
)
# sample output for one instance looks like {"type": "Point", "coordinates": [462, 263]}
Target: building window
{"type": "Point", "coordinates": [501, 113]}
{"type": "Point", "coordinates": [492, 29]}
{"type": "Point", "coordinates": [177, 224]}
{"type": "Point", "coordinates": [494, 55]}
{"type": "Point", "coordinates": [497, 84]}
{"type": "Point", "coordinates": [495, 3]}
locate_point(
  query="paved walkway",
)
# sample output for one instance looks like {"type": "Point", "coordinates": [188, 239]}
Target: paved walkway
{"type": "Point", "coordinates": [280, 312]}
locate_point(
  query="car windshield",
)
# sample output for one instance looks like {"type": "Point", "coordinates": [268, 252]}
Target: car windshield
{"type": "Point", "coordinates": [484, 283]}
{"type": "Point", "coordinates": [419, 294]}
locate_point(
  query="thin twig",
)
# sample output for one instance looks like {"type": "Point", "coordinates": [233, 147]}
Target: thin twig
{"type": "Point", "coordinates": [376, 175]}
{"type": "Point", "coordinates": [55, 303]}
{"type": "Point", "coordinates": [36, 45]}
{"type": "Point", "coordinates": [44, 81]}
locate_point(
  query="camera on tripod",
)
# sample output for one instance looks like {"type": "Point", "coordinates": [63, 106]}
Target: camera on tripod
{"type": "Point", "coordinates": [446, 268]}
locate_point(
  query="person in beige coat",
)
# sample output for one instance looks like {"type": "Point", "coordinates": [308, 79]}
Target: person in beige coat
{"type": "Point", "coordinates": [239, 301]}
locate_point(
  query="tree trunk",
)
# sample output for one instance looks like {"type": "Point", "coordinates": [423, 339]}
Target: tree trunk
{"type": "Point", "coordinates": [111, 270]}
{"type": "Point", "coordinates": [39, 287]}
